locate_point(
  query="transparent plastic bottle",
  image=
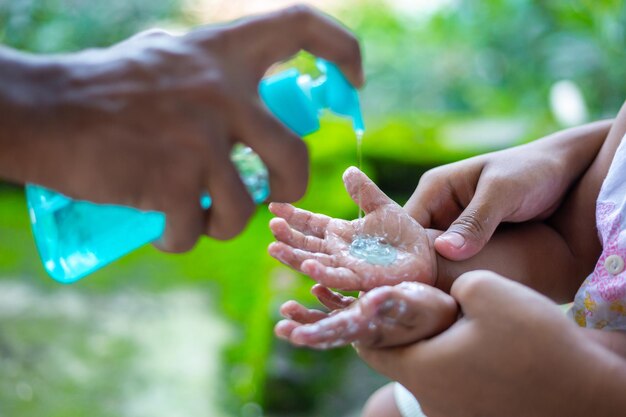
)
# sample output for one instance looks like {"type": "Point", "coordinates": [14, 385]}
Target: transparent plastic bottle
{"type": "Point", "coordinates": [75, 238]}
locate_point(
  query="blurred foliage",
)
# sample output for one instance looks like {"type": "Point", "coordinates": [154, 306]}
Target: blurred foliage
{"type": "Point", "coordinates": [491, 57]}
{"type": "Point", "coordinates": [471, 77]}
{"type": "Point", "coordinates": [70, 25]}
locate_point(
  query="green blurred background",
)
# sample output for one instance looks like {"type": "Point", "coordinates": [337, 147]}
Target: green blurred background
{"type": "Point", "coordinates": [162, 335]}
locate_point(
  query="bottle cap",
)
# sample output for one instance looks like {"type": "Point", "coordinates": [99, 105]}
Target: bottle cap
{"type": "Point", "coordinates": [297, 99]}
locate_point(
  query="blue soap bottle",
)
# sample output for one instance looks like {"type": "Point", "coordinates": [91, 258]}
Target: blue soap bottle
{"type": "Point", "coordinates": [75, 238]}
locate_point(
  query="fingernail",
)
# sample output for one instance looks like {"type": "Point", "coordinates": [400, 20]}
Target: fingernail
{"type": "Point", "coordinates": [454, 239]}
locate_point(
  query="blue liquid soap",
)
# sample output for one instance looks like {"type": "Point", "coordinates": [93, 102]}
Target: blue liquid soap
{"type": "Point", "coordinates": [75, 238]}
{"type": "Point", "coordinates": [373, 250]}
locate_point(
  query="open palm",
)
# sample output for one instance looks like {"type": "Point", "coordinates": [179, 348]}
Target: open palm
{"type": "Point", "coordinates": [319, 246]}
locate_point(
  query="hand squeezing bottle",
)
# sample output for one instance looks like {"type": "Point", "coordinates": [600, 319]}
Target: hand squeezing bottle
{"type": "Point", "coordinates": [75, 238]}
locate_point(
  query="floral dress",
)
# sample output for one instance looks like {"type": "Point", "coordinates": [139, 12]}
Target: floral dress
{"type": "Point", "coordinates": [600, 302]}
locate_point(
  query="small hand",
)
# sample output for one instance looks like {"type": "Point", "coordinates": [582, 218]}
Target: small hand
{"type": "Point", "coordinates": [384, 317]}
{"type": "Point", "coordinates": [319, 246]}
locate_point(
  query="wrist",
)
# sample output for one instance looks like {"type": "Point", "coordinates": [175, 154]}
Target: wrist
{"type": "Point", "coordinates": [27, 90]}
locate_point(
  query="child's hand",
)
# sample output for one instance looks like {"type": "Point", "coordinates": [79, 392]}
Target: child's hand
{"type": "Point", "coordinates": [319, 246]}
{"type": "Point", "coordinates": [383, 317]}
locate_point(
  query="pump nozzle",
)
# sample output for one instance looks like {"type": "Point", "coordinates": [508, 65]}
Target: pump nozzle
{"type": "Point", "coordinates": [297, 99]}
{"type": "Point", "coordinates": [337, 94]}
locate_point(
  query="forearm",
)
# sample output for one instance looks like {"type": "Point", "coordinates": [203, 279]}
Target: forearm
{"type": "Point", "coordinates": [531, 253]}
{"type": "Point", "coordinates": [577, 147]}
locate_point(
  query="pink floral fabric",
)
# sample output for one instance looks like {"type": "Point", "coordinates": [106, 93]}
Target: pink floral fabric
{"type": "Point", "coordinates": [601, 300]}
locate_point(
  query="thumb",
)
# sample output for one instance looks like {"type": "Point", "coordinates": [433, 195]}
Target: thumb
{"type": "Point", "coordinates": [469, 233]}
{"type": "Point", "coordinates": [363, 191]}
{"type": "Point", "coordinates": [483, 293]}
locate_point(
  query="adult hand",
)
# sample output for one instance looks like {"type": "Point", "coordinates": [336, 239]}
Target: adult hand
{"type": "Point", "coordinates": [514, 353]}
{"type": "Point", "coordinates": [471, 198]}
{"type": "Point", "coordinates": [151, 122]}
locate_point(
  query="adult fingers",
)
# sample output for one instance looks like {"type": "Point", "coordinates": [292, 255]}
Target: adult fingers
{"type": "Point", "coordinates": [184, 223]}
{"type": "Point", "coordinates": [263, 40]}
{"type": "Point", "coordinates": [179, 198]}
{"type": "Point", "coordinates": [443, 192]}
{"type": "Point", "coordinates": [410, 364]}
{"type": "Point", "coordinates": [363, 191]}
{"type": "Point", "coordinates": [282, 232]}
{"type": "Point", "coordinates": [304, 221]}
{"type": "Point", "coordinates": [232, 206]}
{"type": "Point", "coordinates": [285, 155]}
{"type": "Point", "coordinates": [480, 293]}
{"type": "Point", "coordinates": [433, 204]}
{"type": "Point", "coordinates": [469, 233]}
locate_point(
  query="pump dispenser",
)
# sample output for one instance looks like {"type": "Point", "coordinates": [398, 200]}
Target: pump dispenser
{"type": "Point", "coordinates": [297, 99]}
{"type": "Point", "coordinates": [75, 238]}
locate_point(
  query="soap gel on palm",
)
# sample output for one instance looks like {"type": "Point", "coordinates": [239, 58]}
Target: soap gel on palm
{"type": "Point", "coordinates": [75, 238]}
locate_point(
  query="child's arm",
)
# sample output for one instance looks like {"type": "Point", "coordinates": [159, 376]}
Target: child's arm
{"type": "Point", "coordinates": [553, 256]}
{"type": "Point", "coordinates": [533, 253]}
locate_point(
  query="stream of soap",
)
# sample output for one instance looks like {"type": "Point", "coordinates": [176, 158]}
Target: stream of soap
{"type": "Point", "coordinates": [359, 157]}
{"type": "Point", "coordinates": [372, 249]}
